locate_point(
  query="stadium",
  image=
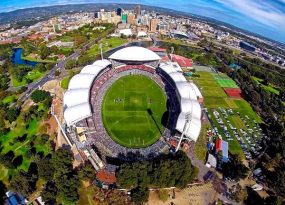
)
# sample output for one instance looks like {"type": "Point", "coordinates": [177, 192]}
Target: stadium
{"type": "Point", "coordinates": [132, 103]}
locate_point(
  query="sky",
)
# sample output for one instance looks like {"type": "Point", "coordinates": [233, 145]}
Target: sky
{"type": "Point", "coordinates": [265, 17]}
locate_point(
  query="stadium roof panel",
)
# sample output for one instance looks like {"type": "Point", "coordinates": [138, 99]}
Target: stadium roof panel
{"type": "Point", "coordinates": [185, 91]}
{"type": "Point", "coordinates": [196, 90]}
{"type": "Point", "coordinates": [170, 67]}
{"type": "Point", "coordinates": [191, 129]}
{"type": "Point", "coordinates": [81, 80]}
{"type": "Point", "coordinates": [177, 77]}
{"type": "Point", "coordinates": [92, 69]}
{"type": "Point", "coordinates": [103, 63]}
{"type": "Point", "coordinates": [135, 53]}
{"type": "Point", "coordinates": [76, 113]}
{"type": "Point", "coordinates": [75, 96]}
{"type": "Point", "coordinates": [191, 106]}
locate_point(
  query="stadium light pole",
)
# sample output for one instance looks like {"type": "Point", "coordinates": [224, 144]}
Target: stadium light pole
{"type": "Point", "coordinates": [62, 130]}
{"type": "Point", "coordinates": [101, 45]}
{"type": "Point", "coordinates": [187, 117]}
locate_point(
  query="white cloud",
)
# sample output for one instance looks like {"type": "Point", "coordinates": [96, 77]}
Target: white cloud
{"type": "Point", "coordinates": [260, 11]}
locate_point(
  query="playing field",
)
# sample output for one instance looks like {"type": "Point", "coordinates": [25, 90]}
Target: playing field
{"type": "Point", "coordinates": [224, 81]}
{"type": "Point", "coordinates": [132, 111]}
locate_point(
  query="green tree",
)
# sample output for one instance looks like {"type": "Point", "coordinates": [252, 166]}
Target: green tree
{"type": "Point", "coordinates": [87, 173]}
{"type": "Point", "coordinates": [70, 64]}
{"type": "Point", "coordinates": [140, 195]}
{"type": "Point", "coordinates": [41, 67]}
{"type": "Point", "coordinates": [12, 114]}
{"type": "Point", "coordinates": [7, 159]}
{"type": "Point", "coordinates": [46, 168]}
{"type": "Point", "coordinates": [49, 193]}
{"type": "Point", "coordinates": [3, 190]}
{"type": "Point", "coordinates": [44, 52]}
{"type": "Point", "coordinates": [62, 160]}
{"type": "Point", "coordinates": [235, 169]}
{"type": "Point", "coordinates": [67, 186]}
{"type": "Point", "coordinates": [40, 95]}
{"type": "Point", "coordinates": [20, 183]}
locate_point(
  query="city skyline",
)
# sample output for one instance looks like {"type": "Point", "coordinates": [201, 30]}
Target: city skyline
{"type": "Point", "coordinates": [262, 17]}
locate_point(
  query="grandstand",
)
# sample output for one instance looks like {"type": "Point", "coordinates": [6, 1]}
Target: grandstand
{"type": "Point", "coordinates": [83, 104]}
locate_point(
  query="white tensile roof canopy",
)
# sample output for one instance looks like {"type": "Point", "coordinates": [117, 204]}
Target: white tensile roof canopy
{"type": "Point", "coordinates": [75, 96]}
{"type": "Point", "coordinates": [76, 113]}
{"type": "Point", "coordinates": [135, 53]}
{"type": "Point", "coordinates": [103, 63]}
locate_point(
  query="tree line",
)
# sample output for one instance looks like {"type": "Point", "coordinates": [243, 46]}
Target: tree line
{"type": "Point", "coordinates": [164, 171]}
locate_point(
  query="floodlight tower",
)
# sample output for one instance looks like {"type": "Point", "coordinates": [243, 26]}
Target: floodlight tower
{"type": "Point", "coordinates": [62, 130]}
{"type": "Point", "coordinates": [186, 126]}
{"type": "Point", "coordinates": [101, 46]}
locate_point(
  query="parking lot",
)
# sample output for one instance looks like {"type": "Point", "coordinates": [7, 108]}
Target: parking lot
{"type": "Point", "coordinates": [241, 131]}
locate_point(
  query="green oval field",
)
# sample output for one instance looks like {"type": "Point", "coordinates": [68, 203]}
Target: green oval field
{"type": "Point", "coordinates": [132, 111]}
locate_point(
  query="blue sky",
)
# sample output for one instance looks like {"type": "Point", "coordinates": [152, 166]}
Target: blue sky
{"type": "Point", "coordinates": [265, 17]}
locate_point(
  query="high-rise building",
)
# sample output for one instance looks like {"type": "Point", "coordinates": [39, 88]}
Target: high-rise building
{"type": "Point", "coordinates": [153, 25]}
{"type": "Point", "coordinates": [124, 18]}
{"type": "Point", "coordinates": [131, 19]}
{"type": "Point", "coordinates": [119, 11]}
{"type": "Point", "coordinates": [113, 14]}
{"type": "Point", "coordinates": [137, 10]}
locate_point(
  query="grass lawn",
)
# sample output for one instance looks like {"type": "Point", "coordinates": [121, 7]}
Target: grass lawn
{"type": "Point", "coordinates": [64, 82]}
{"type": "Point", "coordinates": [108, 43]}
{"type": "Point", "coordinates": [4, 174]}
{"type": "Point", "coordinates": [33, 75]}
{"type": "Point", "coordinates": [132, 111]}
{"type": "Point", "coordinates": [201, 143]}
{"type": "Point", "coordinates": [37, 60]}
{"type": "Point", "coordinates": [21, 128]}
{"type": "Point", "coordinates": [10, 99]}
{"type": "Point", "coordinates": [66, 38]}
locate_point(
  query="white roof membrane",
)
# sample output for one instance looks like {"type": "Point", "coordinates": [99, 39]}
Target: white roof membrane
{"type": "Point", "coordinates": [81, 80]}
{"type": "Point", "coordinates": [135, 53]}
{"type": "Point", "coordinates": [75, 96]}
{"type": "Point", "coordinates": [76, 113]}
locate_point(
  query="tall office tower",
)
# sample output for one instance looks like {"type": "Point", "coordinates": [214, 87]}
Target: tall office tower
{"type": "Point", "coordinates": [119, 11]}
{"type": "Point", "coordinates": [137, 10]}
{"type": "Point", "coordinates": [153, 25]}
{"type": "Point", "coordinates": [131, 19]}
{"type": "Point", "coordinates": [124, 18]}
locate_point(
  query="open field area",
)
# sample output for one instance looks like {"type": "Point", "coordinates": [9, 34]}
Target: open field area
{"type": "Point", "coordinates": [107, 43]}
{"type": "Point", "coordinates": [132, 111]}
{"type": "Point", "coordinates": [64, 82]}
{"type": "Point", "coordinates": [10, 99]}
{"type": "Point", "coordinates": [215, 99]}
{"type": "Point", "coordinates": [33, 76]}
{"type": "Point", "coordinates": [224, 81]}
{"type": "Point", "coordinates": [194, 195]}
{"type": "Point", "coordinates": [24, 139]}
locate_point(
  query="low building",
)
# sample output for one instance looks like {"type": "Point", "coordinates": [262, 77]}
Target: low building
{"type": "Point", "coordinates": [246, 46]}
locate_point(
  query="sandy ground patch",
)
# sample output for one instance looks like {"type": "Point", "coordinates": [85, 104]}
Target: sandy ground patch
{"type": "Point", "coordinates": [195, 195]}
